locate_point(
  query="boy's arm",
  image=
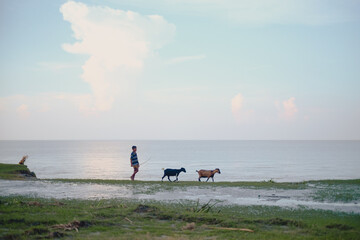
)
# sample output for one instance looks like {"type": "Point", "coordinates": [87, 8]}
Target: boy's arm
{"type": "Point", "coordinates": [130, 162]}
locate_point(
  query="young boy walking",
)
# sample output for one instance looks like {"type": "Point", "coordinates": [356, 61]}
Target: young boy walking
{"type": "Point", "coordinates": [134, 162]}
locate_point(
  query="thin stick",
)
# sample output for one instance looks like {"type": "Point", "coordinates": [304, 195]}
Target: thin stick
{"type": "Point", "coordinates": [128, 220]}
{"type": "Point", "coordinates": [142, 164]}
{"type": "Point", "coordinates": [232, 229]}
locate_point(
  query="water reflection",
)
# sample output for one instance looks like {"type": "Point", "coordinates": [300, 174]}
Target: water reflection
{"type": "Point", "coordinates": [226, 195]}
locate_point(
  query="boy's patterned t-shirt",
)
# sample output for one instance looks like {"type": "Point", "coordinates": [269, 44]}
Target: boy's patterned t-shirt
{"type": "Point", "coordinates": [134, 159]}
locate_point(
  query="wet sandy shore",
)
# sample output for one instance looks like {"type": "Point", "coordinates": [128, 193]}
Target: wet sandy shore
{"type": "Point", "coordinates": [290, 198]}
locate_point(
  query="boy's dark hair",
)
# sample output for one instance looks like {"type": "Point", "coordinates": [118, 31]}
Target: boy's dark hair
{"type": "Point", "coordinates": [133, 147]}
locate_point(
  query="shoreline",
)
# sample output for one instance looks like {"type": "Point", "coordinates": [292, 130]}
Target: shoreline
{"type": "Point", "coordinates": [355, 181]}
{"type": "Point", "coordinates": [33, 208]}
{"type": "Point", "coordinates": [336, 195]}
{"type": "Point", "coordinates": [22, 172]}
{"type": "Point", "coordinates": [342, 196]}
{"type": "Point", "coordinates": [312, 193]}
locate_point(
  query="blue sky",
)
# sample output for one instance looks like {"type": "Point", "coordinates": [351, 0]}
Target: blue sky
{"type": "Point", "coordinates": [169, 69]}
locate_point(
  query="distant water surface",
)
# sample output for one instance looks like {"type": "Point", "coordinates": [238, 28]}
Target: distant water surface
{"type": "Point", "coordinates": [237, 160]}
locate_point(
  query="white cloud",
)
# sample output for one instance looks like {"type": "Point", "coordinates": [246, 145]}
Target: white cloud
{"type": "Point", "coordinates": [287, 109]}
{"type": "Point", "coordinates": [240, 113]}
{"type": "Point", "coordinates": [45, 102]}
{"type": "Point", "coordinates": [237, 103]}
{"type": "Point", "coordinates": [23, 111]}
{"type": "Point", "coordinates": [259, 110]}
{"type": "Point", "coordinates": [3, 104]}
{"type": "Point", "coordinates": [263, 12]}
{"type": "Point", "coordinates": [117, 43]}
{"type": "Point", "coordinates": [186, 58]}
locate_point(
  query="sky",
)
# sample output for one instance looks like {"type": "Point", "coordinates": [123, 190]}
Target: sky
{"type": "Point", "coordinates": [180, 70]}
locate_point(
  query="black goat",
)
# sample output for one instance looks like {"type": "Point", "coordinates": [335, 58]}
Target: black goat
{"type": "Point", "coordinates": [172, 172]}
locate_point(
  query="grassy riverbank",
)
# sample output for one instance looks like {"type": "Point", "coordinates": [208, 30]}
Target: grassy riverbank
{"type": "Point", "coordinates": [343, 191]}
{"type": "Point", "coordinates": [38, 218]}
{"type": "Point", "coordinates": [261, 184]}
{"type": "Point", "coordinates": [30, 218]}
{"type": "Point", "coordinates": [15, 172]}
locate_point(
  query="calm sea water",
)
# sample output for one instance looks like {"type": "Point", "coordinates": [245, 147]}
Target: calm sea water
{"type": "Point", "coordinates": [237, 160]}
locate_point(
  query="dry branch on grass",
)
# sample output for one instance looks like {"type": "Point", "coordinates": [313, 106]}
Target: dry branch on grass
{"type": "Point", "coordinates": [74, 225]}
{"type": "Point", "coordinates": [232, 229]}
{"type": "Point", "coordinates": [189, 226]}
{"type": "Point", "coordinates": [129, 220]}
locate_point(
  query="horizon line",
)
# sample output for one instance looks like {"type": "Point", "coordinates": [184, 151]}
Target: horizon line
{"type": "Point", "coordinates": [179, 139]}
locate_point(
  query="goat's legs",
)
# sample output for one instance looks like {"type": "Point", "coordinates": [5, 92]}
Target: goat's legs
{"type": "Point", "coordinates": [169, 178]}
{"type": "Point", "coordinates": [199, 180]}
{"type": "Point", "coordinates": [207, 179]}
{"type": "Point", "coordinates": [176, 178]}
{"type": "Point", "coordinates": [163, 177]}
{"type": "Point", "coordinates": [212, 178]}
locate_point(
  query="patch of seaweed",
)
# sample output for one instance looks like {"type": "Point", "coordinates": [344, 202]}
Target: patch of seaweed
{"type": "Point", "coordinates": [12, 220]}
{"type": "Point", "coordinates": [145, 209]}
{"type": "Point", "coordinates": [339, 226]}
{"type": "Point", "coordinates": [12, 237]}
{"type": "Point", "coordinates": [36, 231]}
{"type": "Point", "coordinates": [278, 221]}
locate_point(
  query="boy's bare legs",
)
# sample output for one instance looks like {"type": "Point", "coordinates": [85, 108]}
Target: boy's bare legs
{"type": "Point", "coordinates": [136, 169]}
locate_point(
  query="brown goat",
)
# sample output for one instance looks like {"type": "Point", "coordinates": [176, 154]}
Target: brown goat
{"type": "Point", "coordinates": [207, 174]}
{"type": "Point", "coordinates": [22, 161]}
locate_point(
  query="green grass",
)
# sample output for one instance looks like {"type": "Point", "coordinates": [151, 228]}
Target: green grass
{"type": "Point", "coordinates": [335, 182]}
{"type": "Point", "coordinates": [335, 191]}
{"type": "Point", "coordinates": [263, 184]}
{"type": "Point", "coordinates": [35, 218]}
{"type": "Point", "coordinates": [14, 172]}
{"type": "Point", "coordinates": [247, 184]}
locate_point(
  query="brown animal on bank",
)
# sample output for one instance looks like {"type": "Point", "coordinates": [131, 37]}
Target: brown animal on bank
{"type": "Point", "coordinates": [22, 161]}
{"type": "Point", "coordinates": [207, 174]}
